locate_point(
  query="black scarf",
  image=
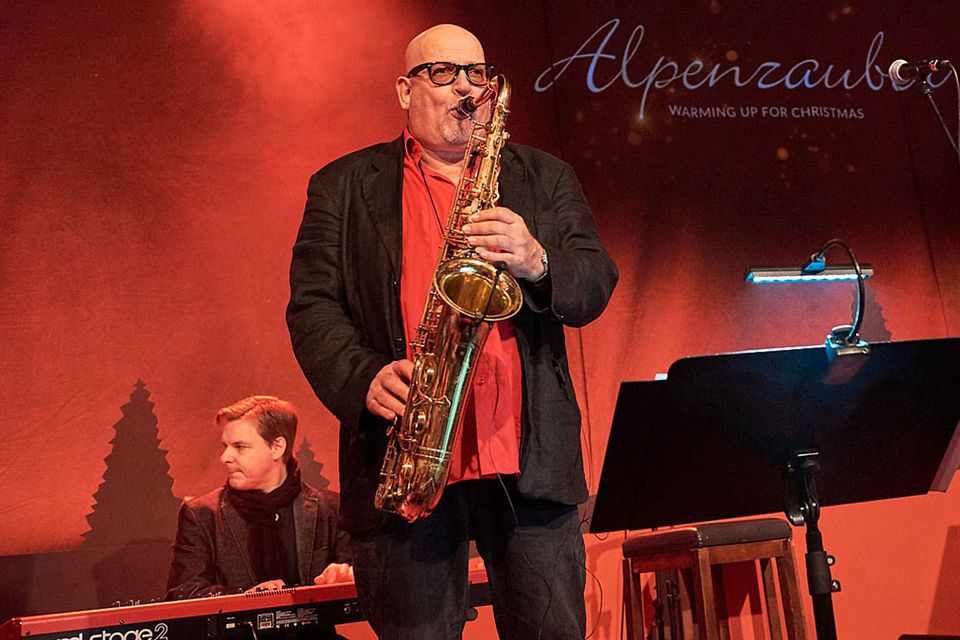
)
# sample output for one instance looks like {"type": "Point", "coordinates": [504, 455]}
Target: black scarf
{"type": "Point", "coordinates": [261, 512]}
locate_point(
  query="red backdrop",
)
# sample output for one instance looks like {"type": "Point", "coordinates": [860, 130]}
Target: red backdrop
{"type": "Point", "coordinates": [153, 162]}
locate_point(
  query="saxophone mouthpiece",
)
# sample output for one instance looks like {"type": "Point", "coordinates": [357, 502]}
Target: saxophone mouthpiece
{"type": "Point", "coordinates": [467, 107]}
{"type": "Point", "coordinates": [469, 104]}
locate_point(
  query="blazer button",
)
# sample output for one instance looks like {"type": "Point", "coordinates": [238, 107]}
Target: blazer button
{"type": "Point", "coordinates": [399, 346]}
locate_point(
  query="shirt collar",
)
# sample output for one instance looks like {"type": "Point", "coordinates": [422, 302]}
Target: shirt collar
{"type": "Point", "coordinates": [412, 148]}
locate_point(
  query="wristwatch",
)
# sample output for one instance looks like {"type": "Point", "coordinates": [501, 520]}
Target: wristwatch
{"type": "Point", "coordinates": [546, 267]}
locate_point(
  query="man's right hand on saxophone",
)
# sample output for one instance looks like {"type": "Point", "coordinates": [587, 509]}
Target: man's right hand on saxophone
{"type": "Point", "coordinates": [497, 234]}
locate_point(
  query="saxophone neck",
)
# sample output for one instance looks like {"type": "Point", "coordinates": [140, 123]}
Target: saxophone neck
{"type": "Point", "coordinates": [498, 88]}
{"type": "Point", "coordinates": [467, 106]}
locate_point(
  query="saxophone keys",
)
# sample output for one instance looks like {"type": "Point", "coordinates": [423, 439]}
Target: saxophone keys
{"type": "Point", "coordinates": [429, 376]}
{"type": "Point", "coordinates": [419, 421]}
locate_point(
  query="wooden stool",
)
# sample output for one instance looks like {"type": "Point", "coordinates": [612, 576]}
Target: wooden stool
{"type": "Point", "coordinates": [702, 550]}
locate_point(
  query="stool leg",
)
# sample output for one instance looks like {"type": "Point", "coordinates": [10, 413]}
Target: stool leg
{"type": "Point", "coordinates": [704, 599]}
{"type": "Point", "coordinates": [686, 598]}
{"type": "Point", "coordinates": [720, 597]}
{"type": "Point", "coordinates": [770, 595]}
{"type": "Point", "coordinates": [669, 586]}
{"type": "Point", "coordinates": [789, 591]}
{"type": "Point", "coordinates": [632, 602]}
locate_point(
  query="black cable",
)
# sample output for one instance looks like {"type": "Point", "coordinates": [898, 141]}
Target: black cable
{"type": "Point", "coordinates": [956, 81]}
{"type": "Point", "coordinates": [586, 569]}
{"type": "Point", "coordinates": [586, 521]}
{"type": "Point", "coordinates": [436, 214]}
{"type": "Point", "coordinates": [253, 632]}
{"type": "Point", "coordinates": [499, 266]}
{"type": "Point", "coordinates": [516, 521]}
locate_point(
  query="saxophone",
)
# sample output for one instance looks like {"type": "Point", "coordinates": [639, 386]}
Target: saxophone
{"type": "Point", "coordinates": [467, 295]}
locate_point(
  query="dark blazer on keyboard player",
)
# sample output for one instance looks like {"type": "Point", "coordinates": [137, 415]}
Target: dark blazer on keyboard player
{"type": "Point", "coordinates": [209, 555]}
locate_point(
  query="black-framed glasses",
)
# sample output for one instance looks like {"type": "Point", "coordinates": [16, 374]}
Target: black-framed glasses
{"type": "Point", "coordinates": [444, 73]}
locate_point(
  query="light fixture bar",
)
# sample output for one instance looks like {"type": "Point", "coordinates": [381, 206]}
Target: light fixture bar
{"type": "Point", "coordinates": [831, 273]}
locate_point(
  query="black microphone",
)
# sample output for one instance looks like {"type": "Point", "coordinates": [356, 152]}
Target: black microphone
{"type": "Point", "coordinates": [902, 72]}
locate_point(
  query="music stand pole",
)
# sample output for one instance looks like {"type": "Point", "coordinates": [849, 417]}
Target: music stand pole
{"type": "Point", "coordinates": [803, 508]}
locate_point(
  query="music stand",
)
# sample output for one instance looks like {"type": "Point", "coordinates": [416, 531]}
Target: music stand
{"type": "Point", "coordinates": [742, 434]}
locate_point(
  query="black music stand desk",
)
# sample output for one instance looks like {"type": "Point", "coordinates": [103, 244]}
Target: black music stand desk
{"type": "Point", "coordinates": [742, 434]}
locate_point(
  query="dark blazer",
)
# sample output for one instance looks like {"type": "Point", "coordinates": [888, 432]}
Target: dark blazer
{"type": "Point", "coordinates": [345, 323]}
{"type": "Point", "coordinates": [210, 552]}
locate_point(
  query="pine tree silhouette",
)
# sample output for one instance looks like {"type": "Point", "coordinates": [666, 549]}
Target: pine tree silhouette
{"type": "Point", "coordinates": [135, 501]}
{"type": "Point", "coordinates": [310, 470]}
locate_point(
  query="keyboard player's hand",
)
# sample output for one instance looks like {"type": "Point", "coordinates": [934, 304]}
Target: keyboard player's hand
{"type": "Point", "coordinates": [335, 572]}
{"type": "Point", "coordinates": [269, 585]}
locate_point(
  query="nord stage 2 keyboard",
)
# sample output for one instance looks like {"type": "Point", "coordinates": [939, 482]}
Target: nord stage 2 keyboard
{"type": "Point", "coordinates": [242, 616]}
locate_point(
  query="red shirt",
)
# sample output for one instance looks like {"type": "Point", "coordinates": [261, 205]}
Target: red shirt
{"type": "Point", "coordinates": [490, 437]}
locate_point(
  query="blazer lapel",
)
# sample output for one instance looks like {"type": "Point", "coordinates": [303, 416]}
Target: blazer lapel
{"type": "Point", "coordinates": [305, 523]}
{"type": "Point", "coordinates": [238, 534]}
{"type": "Point", "coordinates": [381, 187]}
{"type": "Point", "coordinates": [513, 187]}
